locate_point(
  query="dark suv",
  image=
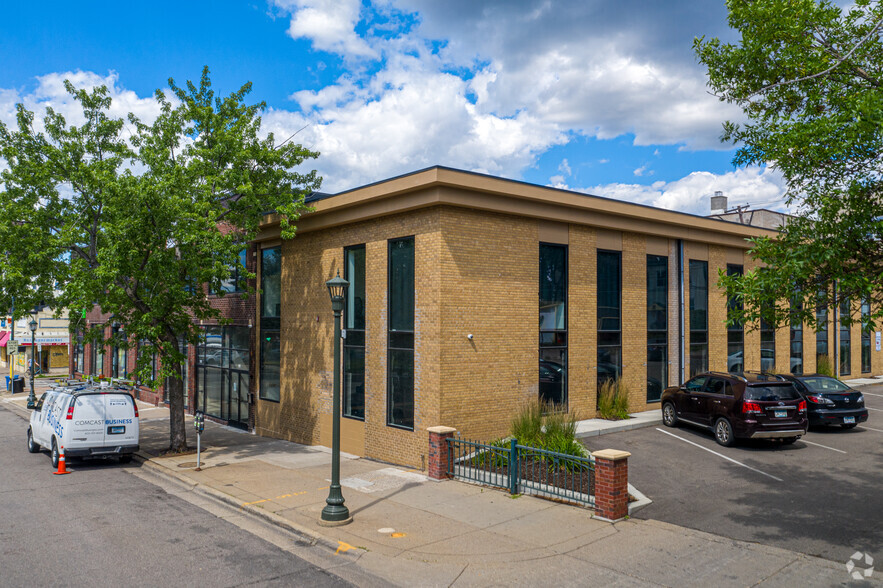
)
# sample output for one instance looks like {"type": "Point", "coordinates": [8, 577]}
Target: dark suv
{"type": "Point", "coordinates": [738, 406]}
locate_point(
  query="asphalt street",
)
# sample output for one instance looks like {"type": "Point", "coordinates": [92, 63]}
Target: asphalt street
{"type": "Point", "coordinates": [820, 496]}
{"type": "Point", "coordinates": [105, 525]}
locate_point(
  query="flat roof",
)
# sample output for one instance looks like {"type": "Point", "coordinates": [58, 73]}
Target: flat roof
{"type": "Point", "coordinates": [439, 185]}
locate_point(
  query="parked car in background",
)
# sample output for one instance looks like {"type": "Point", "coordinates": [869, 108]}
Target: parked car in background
{"type": "Point", "coordinates": [830, 401]}
{"type": "Point", "coordinates": [750, 405]}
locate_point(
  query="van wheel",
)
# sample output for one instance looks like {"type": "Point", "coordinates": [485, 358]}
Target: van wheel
{"type": "Point", "coordinates": [124, 459]}
{"type": "Point", "coordinates": [723, 433]}
{"type": "Point", "coordinates": [32, 445]}
{"type": "Point", "coordinates": [669, 416]}
{"type": "Point", "coordinates": [55, 455]}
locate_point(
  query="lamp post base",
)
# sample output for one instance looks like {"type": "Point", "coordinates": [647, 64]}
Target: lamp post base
{"type": "Point", "coordinates": [325, 523]}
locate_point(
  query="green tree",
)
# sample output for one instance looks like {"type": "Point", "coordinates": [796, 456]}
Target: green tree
{"type": "Point", "coordinates": [808, 76]}
{"type": "Point", "coordinates": [142, 219]}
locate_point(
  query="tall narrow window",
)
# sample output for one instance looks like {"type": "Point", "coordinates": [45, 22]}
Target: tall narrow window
{"type": "Point", "coordinates": [80, 356]}
{"type": "Point", "coordinates": [845, 339]}
{"type": "Point", "coordinates": [119, 361]}
{"type": "Point", "coordinates": [735, 332]}
{"type": "Point", "coordinates": [822, 329]}
{"type": "Point", "coordinates": [698, 316]}
{"type": "Point", "coordinates": [235, 282]}
{"type": "Point", "coordinates": [96, 363]}
{"type": "Point", "coordinates": [271, 302]}
{"type": "Point", "coordinates": [866, 336]}
{"type": "Point", "coordinates": [354, 342]}
{"type": "Point", "coordinates": [767, 341]}
{"type": "Point", "coordinates": [553, 325]}
{"type": "Point", "coordinates": [796, 337]}
{"type": "Point", "coordinates": [400, 350]}
{"type": "Point", "coordinates": [657, 326]}
{"type": "Point", "coordinates": [609, 316]}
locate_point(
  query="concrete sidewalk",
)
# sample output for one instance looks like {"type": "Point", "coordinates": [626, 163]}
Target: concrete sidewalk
{"type": "Point", "coordinates": [408, 530]}
{"type": "Point", "coordinates": [636, 420]}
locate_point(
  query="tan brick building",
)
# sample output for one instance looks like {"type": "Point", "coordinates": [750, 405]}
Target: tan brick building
{"type": "Point", "coordinates": [494, 274]}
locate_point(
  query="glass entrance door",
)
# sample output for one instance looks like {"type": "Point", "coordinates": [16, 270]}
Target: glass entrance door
{"type": "Point", "coordinates": [222, 379]}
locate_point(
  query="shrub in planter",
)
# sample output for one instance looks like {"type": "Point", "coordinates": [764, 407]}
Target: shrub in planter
{"type": "Point", "coordinates": [823, 366]}
{"type": "Point", "coordinates": [613, 400]}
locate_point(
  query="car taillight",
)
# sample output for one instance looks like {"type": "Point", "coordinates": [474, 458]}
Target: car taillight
{"type": "Point", "coordinates": [136, 408]}
{"type": "Point", "coordinates": [818, 399]}
{"type": "Point", "coordinates": [751, 408]}
{"type": "Point", "coordinates": [801, 407]}
{"type": "Point", "coordinates": [70, 412]}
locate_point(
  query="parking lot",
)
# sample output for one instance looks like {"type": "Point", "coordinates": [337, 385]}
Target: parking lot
{"type": "Point", "coordinates": [822, 496]}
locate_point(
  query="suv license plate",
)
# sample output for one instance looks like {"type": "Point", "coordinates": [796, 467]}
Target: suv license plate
{"type": "Point", "coordinates": [116, 430]}
{"type": "Point", "coordinates": [848, 420]}
{"type": "Point", "coordinates": [780, 414]}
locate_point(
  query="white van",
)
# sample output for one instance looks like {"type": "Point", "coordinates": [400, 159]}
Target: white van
{"type": "Point", "coordinates": [87, 422]}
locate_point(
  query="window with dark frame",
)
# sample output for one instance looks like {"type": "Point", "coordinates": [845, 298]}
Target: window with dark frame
{"type": "Point", "coordinates": [796, 338]}
{"type": "Point", "coordinates": [698, 316]}
{"type": "Point", "coordinates": [119, 361]}
{"type": "Point", "coordinates": [822, 328]}
{"type": "Point", "coordinates": [609, 316]}
{"type": "Point", "coordinates": [845, 339]}
{"type": "Point", "coordinates": [271, 303]}
{"type": "Point", "coordinates": [767, 341]}
{"type": "Point", "coordinates": [354, 341]}
{"type": "Point", "coordinates": [79, 360]}
{"type": "Point", "coordinates": [866, 336]}
{"type": "Point", "coordinates": [736, 331]}
{"type": "Point", "coordinates": [553, 326]}
{"type": "Point", "coordinates": [657, 326]}
{"type": "Point", "coordinates": [236, 281]}
{"type": "Point", "coordinates": [400, 332]}
{"type": "Point", "coordinates": [96, 362]}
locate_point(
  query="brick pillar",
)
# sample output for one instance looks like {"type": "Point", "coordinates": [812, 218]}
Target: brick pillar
{"type": "Point", "coordinates": [437, 468]}
{"type": "Point", "coordinates": [611, 484]}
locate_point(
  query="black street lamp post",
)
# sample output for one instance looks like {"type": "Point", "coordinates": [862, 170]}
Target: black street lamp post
{"type": "Point", "coordinates": [32, 398]}
{"type": "Point", "coordinates": [335, 512]}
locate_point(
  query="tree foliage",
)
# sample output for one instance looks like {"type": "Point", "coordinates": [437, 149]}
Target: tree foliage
{"type": "Point", "coordinates": [808, 76]}
{"type": "Point", "coordinates": [144, 219]}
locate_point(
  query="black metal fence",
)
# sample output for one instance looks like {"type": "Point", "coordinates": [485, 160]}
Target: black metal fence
{"type": "Point", "coordinates": [523, 470]}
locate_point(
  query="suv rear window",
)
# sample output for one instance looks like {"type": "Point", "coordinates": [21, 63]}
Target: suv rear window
{"type": "Point", "coordinates": [769, 393]}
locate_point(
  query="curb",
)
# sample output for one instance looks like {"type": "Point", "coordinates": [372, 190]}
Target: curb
{"type": "Point", "coordinates": [640, 503]}
{"type": "Point", "coordinates": [620, 428]}
{"type": "Point", "coordinates": [306, 534]}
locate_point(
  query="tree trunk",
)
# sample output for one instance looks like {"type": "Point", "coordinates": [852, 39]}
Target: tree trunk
{"type": "Point", "coordinates": [177, 426]}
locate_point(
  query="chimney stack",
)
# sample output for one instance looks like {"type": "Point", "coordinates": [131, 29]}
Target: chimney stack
{"type": "Point", "coordinates": [718, 203]}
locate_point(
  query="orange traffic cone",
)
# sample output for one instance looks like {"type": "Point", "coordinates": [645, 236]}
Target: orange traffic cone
{"type": "Point", "coordinates": [62, 469]}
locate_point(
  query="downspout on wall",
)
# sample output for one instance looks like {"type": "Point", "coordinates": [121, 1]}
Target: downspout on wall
{"type": "Point", "coordinates": [681, 313]}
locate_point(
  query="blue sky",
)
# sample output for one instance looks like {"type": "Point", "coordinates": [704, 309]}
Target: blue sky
{"type": "Point", "coordinates": [589, 95]}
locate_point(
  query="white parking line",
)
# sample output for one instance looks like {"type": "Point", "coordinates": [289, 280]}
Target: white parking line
{"type": "Point", "coordinates": [872, 394]}
{"type": "Point", "coordinates": [872, 429]}
{"type": "Point", "coordinates": [825, 446]}
{"type": "Point", "coordinates": [721, 455]}
{"type": "Point", "coordinates": [877, 409]}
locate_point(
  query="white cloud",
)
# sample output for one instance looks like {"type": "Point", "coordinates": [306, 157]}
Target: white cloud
{"type": "Point", "coordinates": [759, 187]}
{"type": "Point", "coordinates": [50, 92]}
{"type": "Point", "coordinates": [329, 24]}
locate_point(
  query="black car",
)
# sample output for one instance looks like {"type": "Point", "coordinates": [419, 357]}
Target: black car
{"type": "Point", "coordinates": [830, 401]}
{"type": "Point", "coordinates": [748, 406]}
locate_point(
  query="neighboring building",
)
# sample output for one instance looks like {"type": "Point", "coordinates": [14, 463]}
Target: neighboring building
{"type": "Point", "coordinates": [470, 295]}
{"type": "Point", "coordinates": [217, 374]}
{"type": "Point", "coordinates": [52, 339]}
{"type": "Point", "coordinates": [760, 217]}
